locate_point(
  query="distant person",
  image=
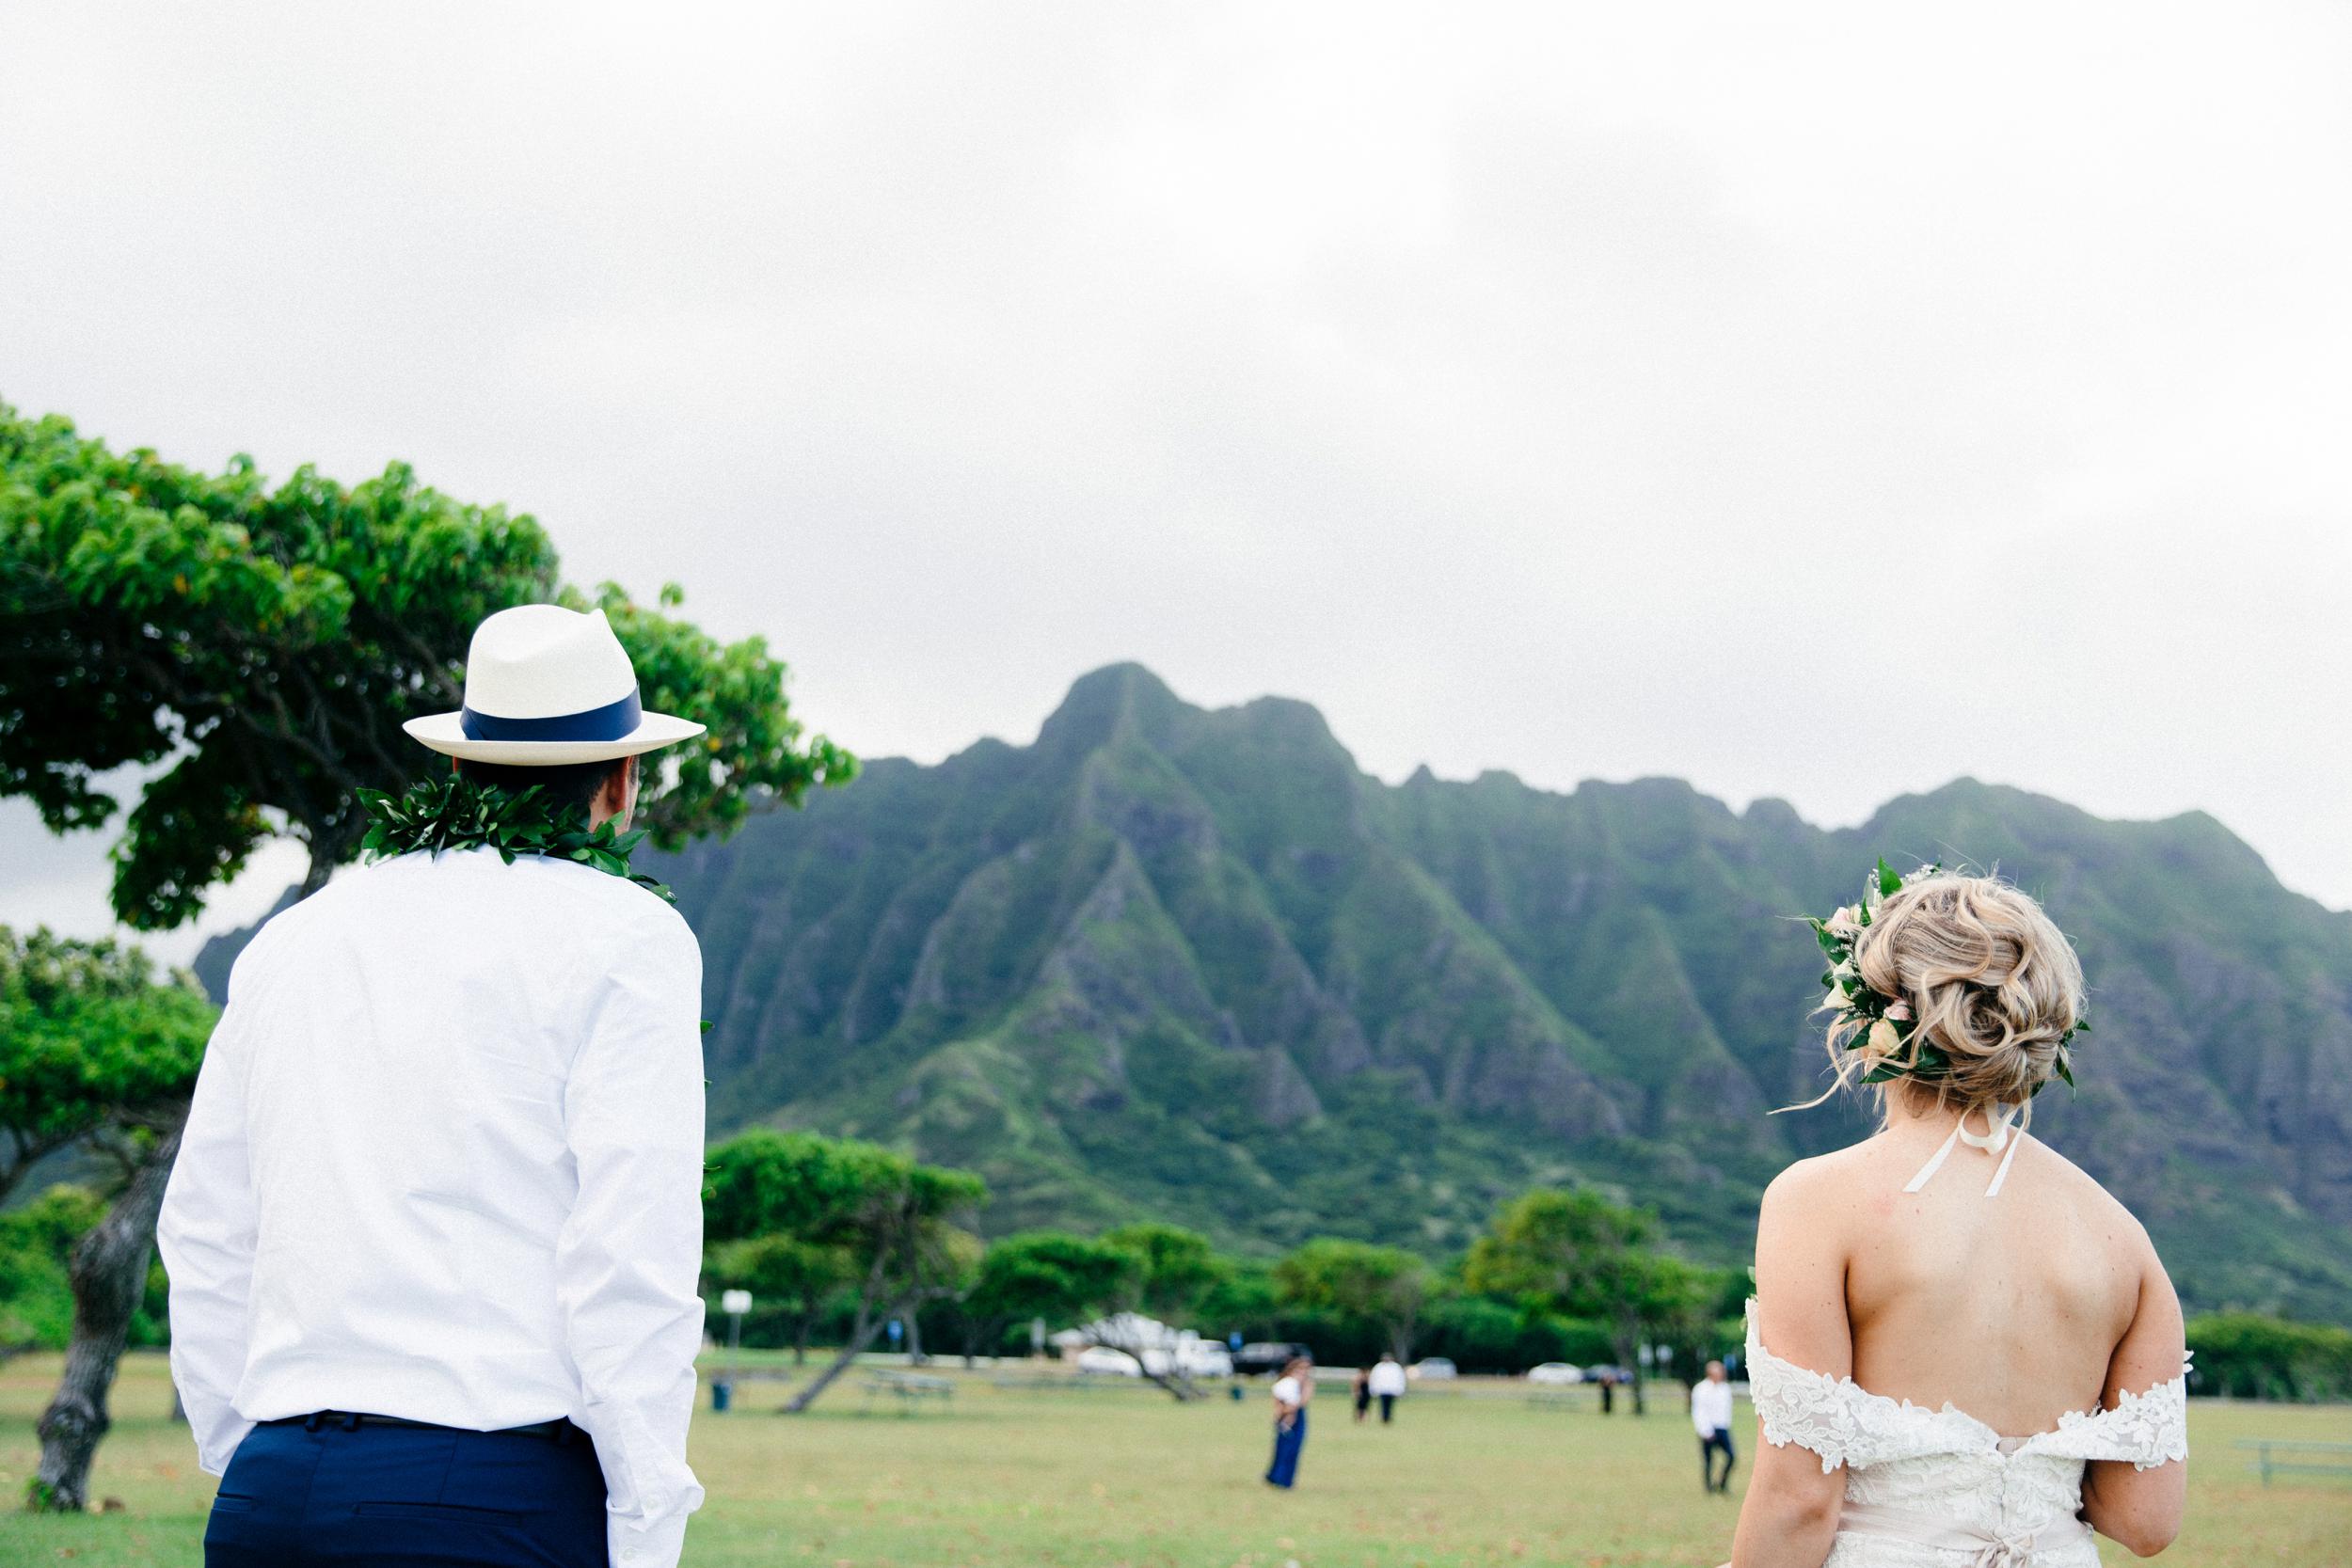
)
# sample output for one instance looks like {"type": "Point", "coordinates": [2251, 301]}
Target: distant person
{"type": "Point", "coordinates": [436, 1219]}
{"type": "Point", "coordinates": [1291, 1390]}
{"type": "Point", "coordinates": [1710, 1417]}
{"type": "Point", "coordinates": [1962, 1349]}
{"type": "Point", "coordinates": [1361, 1387]}
{"type": "Point", "coordinates": [1387, 1384]}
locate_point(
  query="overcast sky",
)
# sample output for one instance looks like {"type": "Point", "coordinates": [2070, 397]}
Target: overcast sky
{"type": "Point", "coordinates": [1807, 401]}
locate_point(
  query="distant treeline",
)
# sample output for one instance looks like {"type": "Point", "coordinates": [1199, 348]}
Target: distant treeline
{"type": "Point", "coordinates": [836, 1238]}
{"type": "Point", "coordinates": [1558, 1276]}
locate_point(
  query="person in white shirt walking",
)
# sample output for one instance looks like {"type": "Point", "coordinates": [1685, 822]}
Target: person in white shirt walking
{"type": "Point", "coordinates": [1386, 1384]}
{"type": "Point", "coordinates": [435, 1223]}
{"type": "Point", "coordinates": [1710, 1414]}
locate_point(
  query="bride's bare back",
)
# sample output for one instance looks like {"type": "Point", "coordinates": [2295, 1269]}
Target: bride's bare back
{"type": "Point", "coordinates": [2011, 1308]}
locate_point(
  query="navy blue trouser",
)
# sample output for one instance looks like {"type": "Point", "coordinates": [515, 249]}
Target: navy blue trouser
{"type": "Point", "coordinates": [298, 1495]}
{"type": "Point", "coordinates": [1287, 1442]}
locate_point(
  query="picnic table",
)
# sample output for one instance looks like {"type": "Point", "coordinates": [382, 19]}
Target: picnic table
{"type": "Point", "coordinates": [2336, 1457]}
{"type": "Point", "coordinates": [909, 1389]}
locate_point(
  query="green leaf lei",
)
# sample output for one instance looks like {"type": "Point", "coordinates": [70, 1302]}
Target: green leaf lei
{"type": "Point", "coordinates": [1862, 1011]}
{"type": "Point", "coordinates": [455, 813]}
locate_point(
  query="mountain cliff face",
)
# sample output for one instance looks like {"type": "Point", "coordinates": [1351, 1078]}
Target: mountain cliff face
{"type": "Point", "coordinates": [1198, 965]}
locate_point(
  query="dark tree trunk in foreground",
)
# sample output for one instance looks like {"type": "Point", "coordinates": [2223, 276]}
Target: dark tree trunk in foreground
{"type": "Point", "coordinates": [109, 1276]}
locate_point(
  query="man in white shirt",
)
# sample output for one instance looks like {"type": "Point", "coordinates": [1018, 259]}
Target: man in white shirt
{"type": "Point", "coordinates": [436, 1222]}
{"type": "Point", "coordinates": [1386, 1384]}
{"type": "Point", "coordinates": [1710, 1414]}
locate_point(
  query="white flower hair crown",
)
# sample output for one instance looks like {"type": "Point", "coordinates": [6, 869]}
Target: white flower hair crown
{"type": "Point", "coordinates": [1883, 1025]}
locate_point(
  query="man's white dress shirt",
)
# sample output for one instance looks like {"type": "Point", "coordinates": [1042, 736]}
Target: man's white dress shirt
{"type": "Point", "coordinates": [1710, 1406]}
{"type": "Point", "coordinates": [445, 1162]}
{"type": "Point", "coordinates": [1387, 1377]}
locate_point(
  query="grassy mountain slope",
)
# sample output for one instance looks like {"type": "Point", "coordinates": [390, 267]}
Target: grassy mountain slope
{"type": "Point", "coordinates": [1198, 965]}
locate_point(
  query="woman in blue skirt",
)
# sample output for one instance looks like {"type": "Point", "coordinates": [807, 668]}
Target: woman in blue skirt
{"type": "Point", "coordinates": [1292, 1391]}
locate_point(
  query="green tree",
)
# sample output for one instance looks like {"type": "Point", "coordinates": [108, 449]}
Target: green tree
{"type": "Point", "coordinates": [37, 1242]}
{"type": "Point", "coordinates": [94, 1044]}
{"type": "Point", "coordinates": [1176, 1271]}
{"type": "Point", "coordinates": [96, 1050]}
{"type": "Point", "coordinates": [2249, 1355]}
{"type": "Point", "coordinates": [784, 1272]}
{"type": "Point", "coordinates": [1579, 1255]}
{"type": "Point", "coordinates": [1381, 1287]}
{"type": "Point", "coordinates": [894, 1219]}
{"type": "Point", "coordinates": [250, 653]}
{"type": "Point", "coordinates": [254, 652]}
{"type": "Point", "coordinates": [1245, 1301]}
{"type": "Point", "coordinates": [1040, 1274]}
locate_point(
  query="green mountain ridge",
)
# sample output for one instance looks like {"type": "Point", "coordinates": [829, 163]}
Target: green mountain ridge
{"type": "Point", "coordinates": [1198, 965]}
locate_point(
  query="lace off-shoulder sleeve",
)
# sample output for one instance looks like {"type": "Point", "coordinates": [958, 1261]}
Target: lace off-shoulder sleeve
{"type": "Point", "coordinates": [1794, 1405]}
{"type": "Point", "coordinates": [2148, 1429]}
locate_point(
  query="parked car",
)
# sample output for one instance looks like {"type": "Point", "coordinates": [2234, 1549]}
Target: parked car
{"type": "Point", "coordinates": [1555, 1374]}
{"type": "Point", "coordinates": [1269, 1358]}
{"type": "Point", "coordinates": [1103, 1361]}
{"type": "Point", "coordinates": [1193, 1359]}
{"type": "Point", "coordinates": [1607, 1374]}
{"type": "Point", "coordinates": [1436, 1369]}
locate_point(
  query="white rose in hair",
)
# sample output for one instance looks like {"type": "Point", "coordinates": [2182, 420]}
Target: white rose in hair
{"type": "Point", "coordinates": [1885, 1042]}
{"type": "Point", "coordinates": [1843, 922]}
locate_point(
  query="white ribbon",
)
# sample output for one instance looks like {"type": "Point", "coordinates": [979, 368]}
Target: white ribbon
{"type": "Point", "coordinates": [1997, 1137]}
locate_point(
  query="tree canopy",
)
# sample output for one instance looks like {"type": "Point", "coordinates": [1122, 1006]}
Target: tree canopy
{"type": "Point", "coordinates": [91, 1037]}
{"type": "Point", "coordinates": [1042, 1274]}
{"type": "Point", "coordinates": [1175, 1269]}
{"type": "Point", "coordinates": [893, 1219]}
{"type": "Point", "coordinates": [1577, 1254]}
{"type": "Point", "coordinates": [1382, 1286]}
{"type": "Point", "coordinates": [253, 652]}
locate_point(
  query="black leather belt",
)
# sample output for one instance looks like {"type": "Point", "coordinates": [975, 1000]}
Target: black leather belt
{"type": "Point", "coordinates": [561, 1429]}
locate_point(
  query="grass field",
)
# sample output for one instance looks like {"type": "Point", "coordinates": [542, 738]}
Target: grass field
{"type": "Point", "coordinates": [1100, 1478]}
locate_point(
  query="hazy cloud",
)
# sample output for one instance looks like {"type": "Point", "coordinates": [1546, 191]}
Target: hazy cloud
{"type": "Point", "coordinates": [1819, 403]}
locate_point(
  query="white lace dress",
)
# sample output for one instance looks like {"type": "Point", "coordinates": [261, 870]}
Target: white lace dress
{"type": "Point", "coordinates": [1939, 1488]}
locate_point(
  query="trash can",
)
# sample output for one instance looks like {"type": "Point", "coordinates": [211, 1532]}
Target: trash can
{"type": "Point", "coordinates": [720, 1394]}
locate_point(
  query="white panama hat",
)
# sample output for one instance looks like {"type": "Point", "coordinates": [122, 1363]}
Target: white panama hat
{"type": "Point", "coordinates": [546, 686]}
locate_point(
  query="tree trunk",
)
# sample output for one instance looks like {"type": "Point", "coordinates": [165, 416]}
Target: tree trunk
{"type": "Point", "coordinates": [862, 1334]}
{"type": "Point", "coordinates": [1178, 1384]}
{"type": "Point", "coordinates": [321, 867]}
{"type": "Point", "coordinates": [915, 1337]}
{"type": "Point", "coordinates": [1628, 1343]}
{"type": "Point", "coordinates": [109, 1276]}
{"type": "Point", "coordinates": [800, 1339]}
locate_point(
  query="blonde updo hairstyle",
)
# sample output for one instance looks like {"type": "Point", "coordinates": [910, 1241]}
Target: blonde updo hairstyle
{"type": "Point", "coordinates": [1992, 982]}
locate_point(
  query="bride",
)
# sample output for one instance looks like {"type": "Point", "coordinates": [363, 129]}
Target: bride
{"type": "Point", "coordinates": [1948, 1283]}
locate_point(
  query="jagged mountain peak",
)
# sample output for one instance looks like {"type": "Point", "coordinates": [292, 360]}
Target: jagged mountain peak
{"type": "Point", "coordinates": [1117, 702]}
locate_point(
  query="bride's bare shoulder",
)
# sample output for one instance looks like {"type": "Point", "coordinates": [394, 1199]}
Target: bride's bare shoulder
{"type": "Point", "coordinates": [2088, 1197]}
{"type": "Point", "coordinates": [1812, 1191]}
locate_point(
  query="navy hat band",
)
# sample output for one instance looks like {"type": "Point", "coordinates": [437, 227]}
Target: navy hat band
{"type": "Point", "coordinates": [612, 722]}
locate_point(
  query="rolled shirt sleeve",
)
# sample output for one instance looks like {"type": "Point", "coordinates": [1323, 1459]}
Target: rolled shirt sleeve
{"type": "Point", "coordinates": [628, 1256]}
{"type": "Point", "coordinates": [206, 1233]}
